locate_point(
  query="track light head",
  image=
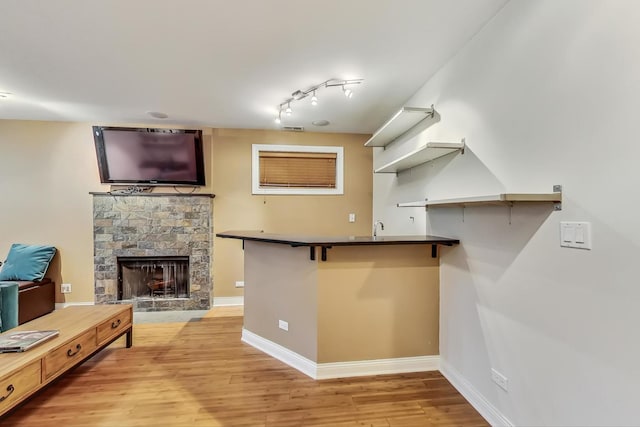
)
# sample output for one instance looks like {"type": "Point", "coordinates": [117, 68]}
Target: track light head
{"type": "Point", "coordinates": [314, 99]}
{"type": "Point", "coordinates": [288, 111]}
{"type": "Point", "coordinates": [347, 92]}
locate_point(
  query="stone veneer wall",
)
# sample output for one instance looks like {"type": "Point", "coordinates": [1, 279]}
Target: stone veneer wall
{"type": "Point", "coordinates": [149, 224]}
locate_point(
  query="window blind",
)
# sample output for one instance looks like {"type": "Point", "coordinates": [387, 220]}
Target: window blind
{"type": "Point", "coordinates": [297, 169]}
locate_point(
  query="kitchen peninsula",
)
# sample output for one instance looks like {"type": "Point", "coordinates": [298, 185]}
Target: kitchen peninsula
{"type": "Point", "coordinates": [342, 306]}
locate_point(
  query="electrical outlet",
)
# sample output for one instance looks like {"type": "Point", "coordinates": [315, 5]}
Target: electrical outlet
{"type": "Point", "coordinates": [283, 325]}
{"type": "Point", "coordinates": [352, 217]}
{"type": "Point", "coordinates": [501, 380]}
{"type": "Point", "coordinates": [240, 284]}
{"type": "Point", "coordinates": [65, 288]}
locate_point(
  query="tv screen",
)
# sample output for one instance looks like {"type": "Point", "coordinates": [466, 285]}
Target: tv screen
{"type": "Point", "coordinates": [149, 156]}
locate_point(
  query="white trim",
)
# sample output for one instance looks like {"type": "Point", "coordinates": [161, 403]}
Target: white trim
{"type": "Point", "coordinates": [223, 301]}
{"type": "Point", "coordinates": [358, 368]}
{"type": "Point", "coordinates": [60, 305]}
{"type": "Point", "coordinates": [255, 168]}
{"type": "Point", "coordinates": [281, 353]}
{"type": "Point", "coordinates": [475, 398]}
{"type": "Point", "coordinates": [361, 368]}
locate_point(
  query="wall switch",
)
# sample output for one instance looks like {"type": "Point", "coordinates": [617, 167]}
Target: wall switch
{"type": "Point", "coordinates": [283, 325]}
{"type": "Point", "coordinates": [65, 288]}
{"type": "Point", "coordinates": [352, 217]}
{"type": "Point", "coordinates": [500, 379]}
{"type": "Point", "coordinates": [240, 284]}
{"type": "Point", "coordinates": [575, 234]}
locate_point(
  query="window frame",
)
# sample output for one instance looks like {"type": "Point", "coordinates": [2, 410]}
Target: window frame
{"type": "Point", "coordinates": [255, 169]}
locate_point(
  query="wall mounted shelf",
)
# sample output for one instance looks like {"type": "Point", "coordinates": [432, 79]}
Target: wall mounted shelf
{"type": "Point", "coordinates": [417, 204]}
{"type": "Point", "coordinates": [400, 123]}
{"type": "Point", "coordinates": [503, 199]}
{"type": "Point", "coordinates": [496, 199]}
{"type": "Point", "coordinates": [426, 153]}
{"type": "Point", "coordinates": [508, 199]}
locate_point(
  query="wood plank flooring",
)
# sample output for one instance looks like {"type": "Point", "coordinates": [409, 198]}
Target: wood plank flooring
{"type": "Point", "coordinates": [201, 374]}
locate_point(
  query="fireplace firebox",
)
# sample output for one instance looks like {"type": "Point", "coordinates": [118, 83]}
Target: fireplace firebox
{"type": "Point", "coordinates": [153, 277]}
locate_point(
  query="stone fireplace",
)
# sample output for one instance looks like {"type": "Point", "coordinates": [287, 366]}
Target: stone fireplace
{"type": "Point", "coordinates": [153, 250]}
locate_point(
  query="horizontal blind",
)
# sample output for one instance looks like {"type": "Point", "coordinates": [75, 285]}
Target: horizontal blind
{"type": "Point", "coordinates": [296, 169]}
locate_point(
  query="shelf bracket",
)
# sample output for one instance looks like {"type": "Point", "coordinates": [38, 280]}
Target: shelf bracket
{"type": "Point", "coordinates": [324, 252]}
{"type": "Point", "coordinates": [557, 189]}
{"type": "Point", "coordinates": [312, 252]}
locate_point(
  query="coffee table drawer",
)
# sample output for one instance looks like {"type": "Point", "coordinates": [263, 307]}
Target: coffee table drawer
{"type": "Point", "coordinates": [114, 326]}
{"type": "Point", "coordinates": [19, 384]}
{"type": "Point", "coordinates": [69, 354]}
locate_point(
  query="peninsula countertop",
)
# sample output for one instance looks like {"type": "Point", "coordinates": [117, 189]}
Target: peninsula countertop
{"type": "Point", "coordinates": [326, 242]}
{"type": "Point", "coordinates": [310, 240]}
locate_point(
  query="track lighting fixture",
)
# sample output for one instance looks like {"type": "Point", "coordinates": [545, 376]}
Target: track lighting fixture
{"type": "Point", "coordinates": [301, 94]}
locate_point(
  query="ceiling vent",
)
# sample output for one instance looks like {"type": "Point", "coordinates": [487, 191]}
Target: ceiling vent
{"type": "Point", "coordinates": [293, 128]}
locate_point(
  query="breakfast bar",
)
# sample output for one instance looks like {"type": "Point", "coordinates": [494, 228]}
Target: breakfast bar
{"type": "Point", "coordinates": [366, 305]}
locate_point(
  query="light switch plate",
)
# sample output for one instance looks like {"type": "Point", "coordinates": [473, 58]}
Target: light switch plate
{"type": "Point", "coordinates": [575, 234]}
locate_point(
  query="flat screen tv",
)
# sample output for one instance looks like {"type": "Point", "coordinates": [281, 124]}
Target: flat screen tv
{"type": "Point", "coordinates": [144, 156]}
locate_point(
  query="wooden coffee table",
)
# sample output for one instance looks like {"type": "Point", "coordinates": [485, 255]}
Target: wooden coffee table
{"type": "Point", "coordinates": [84, 331]}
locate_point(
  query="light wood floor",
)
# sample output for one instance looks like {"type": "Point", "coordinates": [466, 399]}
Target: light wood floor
{"type": "Point", "coordinates": [201, 374]}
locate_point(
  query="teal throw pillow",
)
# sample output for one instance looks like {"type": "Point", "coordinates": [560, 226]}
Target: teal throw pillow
{"type": "Point", "coordinates": [27, 262]}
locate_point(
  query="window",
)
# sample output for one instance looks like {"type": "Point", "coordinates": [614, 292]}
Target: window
{"type": "Point", "coordinates": [296, 169]}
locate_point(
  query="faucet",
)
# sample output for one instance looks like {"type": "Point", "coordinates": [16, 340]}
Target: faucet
{"type": "Point", "coordinates": [375, 227]}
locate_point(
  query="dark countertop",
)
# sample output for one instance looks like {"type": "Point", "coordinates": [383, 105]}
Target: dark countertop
{"type": "Point", "coordinates": [327, 241]}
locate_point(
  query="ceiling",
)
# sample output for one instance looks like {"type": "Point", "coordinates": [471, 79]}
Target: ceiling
{"type": "Point", "coordinates": [225, 63]}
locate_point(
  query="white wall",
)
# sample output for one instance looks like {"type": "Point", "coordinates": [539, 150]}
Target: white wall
{"type": "Point", "coordinates": [547, 93]}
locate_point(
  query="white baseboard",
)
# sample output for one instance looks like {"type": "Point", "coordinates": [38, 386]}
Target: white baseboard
{"type": "Point", "coordinates": [291, 358]}
{"type": "Point", "coordinates": [361, 368]}
{"type": "Point", "coordinates": [60, 305]}
{"type": "Point", "coordinates": [222, 301]}
{"type": "Point", "coordinates": [475, 398]}
{"type": "Point", "coordinates": [322, 371]}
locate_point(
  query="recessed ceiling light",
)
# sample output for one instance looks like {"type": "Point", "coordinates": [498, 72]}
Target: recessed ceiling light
{"type": "Point", "coordinates": [320, 122]}
{"type": "Point", "coordinates": [4, 95]}
{"type": "Point", "coordinates": [158, 115]}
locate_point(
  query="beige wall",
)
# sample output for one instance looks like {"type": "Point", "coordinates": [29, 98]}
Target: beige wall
{"type": "Point", "coordinates": [377, 302]}
{"type": "Point", "coordinates": [282, 284]}
{"type": "Point", "coordinates": [47, 170]}
{"type": "Point", "coordinates": [235, 208]}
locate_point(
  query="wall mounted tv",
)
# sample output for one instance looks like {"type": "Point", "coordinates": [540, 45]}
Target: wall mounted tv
{"type": "Point", "coordinates": [144, 156]}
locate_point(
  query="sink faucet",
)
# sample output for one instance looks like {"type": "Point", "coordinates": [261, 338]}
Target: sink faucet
{"type": "Point", "coordinates": [375, 227]}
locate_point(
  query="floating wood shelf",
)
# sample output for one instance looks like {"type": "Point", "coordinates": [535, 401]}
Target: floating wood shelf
{"type": "Point", "coordinates": [496, 199]}
{"type": "Point", "coordinates": [418, 204]}
{"type": "Point", "coordinates": [426, 153]}
{"type": "Point", "coordinates": [401, 122]}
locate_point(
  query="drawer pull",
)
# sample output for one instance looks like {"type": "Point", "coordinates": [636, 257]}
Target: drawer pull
{"type": "Point", "coordinates": [71, 353]}
{"type": "Point", "coordinates": [116, 323]}
{"type": "Point", "coordinates": [10, 390]}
